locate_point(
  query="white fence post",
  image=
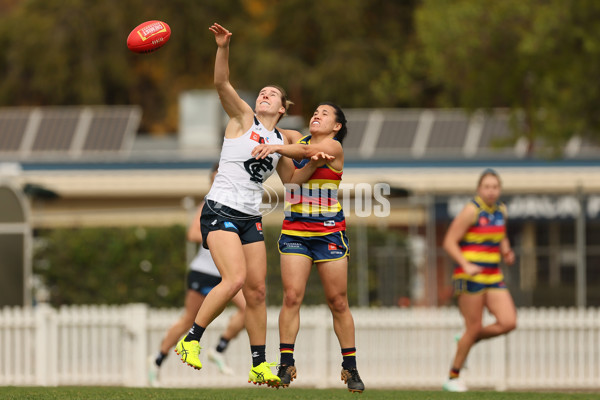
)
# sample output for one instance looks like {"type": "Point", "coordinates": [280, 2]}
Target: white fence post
{"type": "Point", "coordinates": [45, 339]}
{"type": "Point", "coordinates": [500, 365]}
{"type": "Point", "coordinates": [135, 324]}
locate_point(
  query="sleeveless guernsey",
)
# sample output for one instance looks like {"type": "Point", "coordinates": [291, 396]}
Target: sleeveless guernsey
{"type": "Point", "coordinates": [239, 180]}
{"type": "Point", "coordinates": [315, 211]}
{"type": "Point", "coordinates": [481, 243]}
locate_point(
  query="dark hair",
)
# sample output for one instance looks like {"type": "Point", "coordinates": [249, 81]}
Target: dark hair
{"type": "Point", "coordinates": [486, 172]}
{"type": "Point", "coordinates": [339, 118]}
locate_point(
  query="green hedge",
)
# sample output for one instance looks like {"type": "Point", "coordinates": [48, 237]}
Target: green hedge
{"type": "Point", "coordinates": [147, 265]}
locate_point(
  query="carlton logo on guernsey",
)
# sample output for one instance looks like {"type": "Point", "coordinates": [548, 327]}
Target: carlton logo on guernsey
{"type": "Point", "coordinates": [314, 209]}
{"type": "Point", "coordinates": [481, 243]}
{"type": "Point", "coordinates": [239, 180]}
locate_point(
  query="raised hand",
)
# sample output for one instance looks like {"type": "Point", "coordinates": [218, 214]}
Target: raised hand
{"type": "Point", "coordinates": [222, 35]}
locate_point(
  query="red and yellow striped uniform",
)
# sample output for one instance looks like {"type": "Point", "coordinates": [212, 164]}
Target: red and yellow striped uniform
{"type": "Point", "coordinates": [315, 209]}
{"type": "Point", "coordinates": [481, 243]}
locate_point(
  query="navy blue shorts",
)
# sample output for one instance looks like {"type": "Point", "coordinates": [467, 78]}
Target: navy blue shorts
{"type": "Point", "coordinates": [333, 246]}
{"type": "Point", "coordinates": [201, 282]}
{"type": "Point", "coordinates": [217, 217]}
{"type": "Point", "coordinates": [464, 286]}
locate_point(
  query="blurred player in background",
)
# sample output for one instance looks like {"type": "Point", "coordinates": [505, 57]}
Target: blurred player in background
{"type": "Point", "coordinates": [202, 277]}
{"type": "Point", "coordinates": [314, 232]}
{"type": "Point", "coordinates": [476, 240]}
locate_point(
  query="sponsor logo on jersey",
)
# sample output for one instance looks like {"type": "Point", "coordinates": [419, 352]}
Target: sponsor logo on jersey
{"type": "Point", "coordinates": [257, 138]}
{"type": "Point", "coordinates": [329, 223]}
{"type": "Point", "coordinates": [483, 221]}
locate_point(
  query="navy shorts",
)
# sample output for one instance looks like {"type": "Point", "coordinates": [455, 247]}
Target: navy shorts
{"type": "Point", "coordinates": [462, 286]}
{"type": "Point", "coordinates": [217, 217]}
{"type": "Point", "coordinates": [333, 246]}
{"type": "Point", "coordinates": [201, 282]}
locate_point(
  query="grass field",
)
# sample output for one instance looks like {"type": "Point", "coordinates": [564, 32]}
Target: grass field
{"type": "Point", "coordinates": [109, 393]}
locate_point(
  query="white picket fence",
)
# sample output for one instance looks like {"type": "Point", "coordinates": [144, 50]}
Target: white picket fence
{"type": "Point", "coordinates": [397, 348]}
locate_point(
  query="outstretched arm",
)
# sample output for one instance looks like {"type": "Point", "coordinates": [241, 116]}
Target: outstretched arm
{"type": "Point", "coordinates": [236, 108]}
{"type": "Point", "coordinates": [299, 151]}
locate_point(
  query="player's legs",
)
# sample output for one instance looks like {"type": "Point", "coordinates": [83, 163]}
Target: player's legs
{"type": "Point", "coordinates": [501, 305]}
{"type": "Point", "coordinates": [193, 301]}
{"type": "Point", "coordinates": [334, 277]}
{"type": "Point", "coordinates": [295, 270]}
{"type": "Point", "coordinates": [234, 326]}
{"type": "Point", "coordinates": [255, 292]}
{"type": "Point", "coordinates": [228, 255]}
{"type": "Point", "coordinates": [471, 309]}
{"type": "Point", "coordinates": [236, 321]}
{"type": "Point", "coordinates": [256, 313]}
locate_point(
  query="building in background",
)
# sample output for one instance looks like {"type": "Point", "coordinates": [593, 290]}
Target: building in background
{"type": "Point", "coordinates": [107, 174]}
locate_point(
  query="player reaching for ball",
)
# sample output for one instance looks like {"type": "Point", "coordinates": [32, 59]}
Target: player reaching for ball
{"type": "Point", "coordinates": [231, 220]}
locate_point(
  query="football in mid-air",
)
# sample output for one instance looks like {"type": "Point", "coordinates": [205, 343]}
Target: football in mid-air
{"type": "Point", "coordinates": [148, 36]}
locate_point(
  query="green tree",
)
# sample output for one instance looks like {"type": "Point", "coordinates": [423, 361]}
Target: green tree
{"type": "Point", "coordinates": [534, 57]}
{"type": "Point", "coordinates": [73, 52]}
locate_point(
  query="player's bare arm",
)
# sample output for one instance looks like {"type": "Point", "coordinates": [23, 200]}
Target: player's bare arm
{"type": "Point", "coordinates": [239, 112]}
{"type": "Point", "coordinates": [456, 231]}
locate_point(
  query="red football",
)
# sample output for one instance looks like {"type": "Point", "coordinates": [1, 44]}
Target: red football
{"type": "Point", "coordinates": [148, 36]}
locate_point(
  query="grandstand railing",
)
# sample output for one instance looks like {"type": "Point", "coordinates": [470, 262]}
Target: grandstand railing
{"type": "Point", "coordinates": [397, 348]}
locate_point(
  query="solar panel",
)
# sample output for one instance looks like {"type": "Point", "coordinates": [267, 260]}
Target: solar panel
{"type": "Point", "coordinates": [398, 133]}
{"type": "Point", "coordinates": [56, 129]}
{"type": "Point", "coordinates": [448, 131]}
{"type": "Point", "coordinates": [13, 122]}
{"type": "Point", "coordinates": [74, 130]}
{"type": "Point", "coordinates": [356, 131]}
{"type": "Point", "coordinates": [108, 129]}
{"type": "Point", "coordinates": [587, 147]}
{"type": "Point", "coordinates": [496, 129]}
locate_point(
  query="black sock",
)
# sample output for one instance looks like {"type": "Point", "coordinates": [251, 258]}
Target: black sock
{"type": "Point", "coordinates": [195, 333]}
{"type": "Point", "coordinates": [349, 356]}
{"type": "Point", "coordinates": [160, 357]}
{"type": "Point", "coordinates": [258, 354]}
{"type": "Point", "coordinates": [222, 344]}
{"type": "Point", "coordinates": [286, 353]}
